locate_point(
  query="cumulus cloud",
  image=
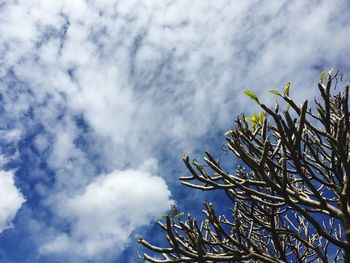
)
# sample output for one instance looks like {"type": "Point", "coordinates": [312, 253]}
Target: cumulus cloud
{"type": "Point", "coordinates": [106, 213]}
{"type": "Point", "coordinates": [11, 200]}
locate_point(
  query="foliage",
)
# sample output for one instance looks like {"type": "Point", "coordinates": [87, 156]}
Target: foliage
{"type": "Point", "coordinates": [290, 201]}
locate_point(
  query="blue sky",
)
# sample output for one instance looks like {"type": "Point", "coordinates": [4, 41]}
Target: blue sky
{"type": "Point", "coordinates": [100, 99]}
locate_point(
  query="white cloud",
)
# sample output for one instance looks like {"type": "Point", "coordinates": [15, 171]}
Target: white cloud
{"type": "Point", "coordinates": [11, 200]}
{"type": "Point", "coordinates": [145, 68]}
{"type": "Point", "coordinates": [107, 212]}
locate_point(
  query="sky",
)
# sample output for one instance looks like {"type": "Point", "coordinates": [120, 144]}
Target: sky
{"type": "Point", "coordinates": [100, 99]}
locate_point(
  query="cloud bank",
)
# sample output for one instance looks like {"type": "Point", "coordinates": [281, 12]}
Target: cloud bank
{"type": "Point", "coordinates": [97, 88]}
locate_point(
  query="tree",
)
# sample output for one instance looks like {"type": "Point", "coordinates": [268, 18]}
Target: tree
{"type": "Point", "coordinates": [290, 199]}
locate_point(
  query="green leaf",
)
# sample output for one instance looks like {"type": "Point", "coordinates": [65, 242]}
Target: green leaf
{"type": "Point", "coordinates": [286, 89]}
{"type": "Point", "coordinates": [262, 117]}
{"type": "Point", "coordinates": [252, 121]}
{"type": "Point", "coordinates": [276, 92]}
{"type": "Point", "coordinates": [247, 119]}
{"type": "Point", "coordinates": [256, 118]}
{"type": "Point", "coordinates": [228, 132]}
{"type": "Point", "coordinates": [323, 73]}
{"type": "Point", "coordinates": [180, 214]}
{"type": "Point", "coordinates": [251, 95]}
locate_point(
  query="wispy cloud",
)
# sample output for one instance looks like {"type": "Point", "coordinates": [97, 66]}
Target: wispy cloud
{"type": "Point", "coordinates": [97, 88]}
